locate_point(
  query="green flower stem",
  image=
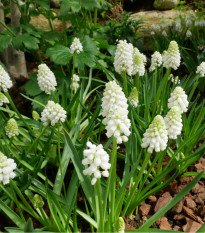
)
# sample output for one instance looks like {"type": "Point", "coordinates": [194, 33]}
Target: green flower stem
{"type": "Point", "coordinates": [113, 179]}
{"type": "Point", "coordinates": [137, 81]}
{"type": "Point", "coordinates": [125, 83]}
{"type": "Point", "coordinates": [155, 83]}
{"type": "Point", "coordinates": [59, 152]}
{"type": "Point", "coordinates": [95, 16]}
{"type": "Point", "coordinates": [99, 208]}
{"type": "Point", "coordinates": [39, 136]}
{"type": "Point", "coordinates": [18, 113]}
{"type": "Point", "coordinates": [136, 182]}
{"type": "Point", "coordinates": [163, 89]}
{"type": "Point", "coordinates": [113, 160]}
{"type": "Point", "coordinates": [73, 71]}
{"type": "Point", "coordinates": [194, 88]}
{"type": "Point", "coordinates": [7, 28]}
{"type": "Point", "coordinates": [54, 97]}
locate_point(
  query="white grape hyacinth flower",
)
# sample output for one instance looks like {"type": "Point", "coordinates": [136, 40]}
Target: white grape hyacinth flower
{"type": "Point", "coordinates": [7, 166]}
{"type": "Point", "coordinates": [5, 80]}
{"type": "Point", "coordinates": [188, 34]}
{"type": "Point", "coordinates": [46, 79]}
{"type": "Point", "coordinates": [3, 99]}
{"type": "Point", "coordinates": [123, 57]}
{"type": "Point", "coordinates": [12, 128]}
{"type": "Point", "coordinates": [156, 60]}
{"type": "Point", "coordinates": [139, 61]}
{"type": "Point", "coordinates": [173, 122]}
{"type": "Point", "coordinates": [172, 58]}
{"type": "Point", "coordinates": [201, 69]}
{"type": "Point", "coordinates": [156, 136]}
{"type": "Point", "coordinates": [97, 160]}
{"type": "Point", "coordinates": [52, 114]}
{"type": "Point", "coordinates": [115, 112]}
{"type": "Point", "coordinates": [133, 97]}
{"type": "Point", "coordinates": [178, 98]}
{"type": "Point", "coordinates": [76, 46]}
{"type": "Point", "coordinates": [75, 84]}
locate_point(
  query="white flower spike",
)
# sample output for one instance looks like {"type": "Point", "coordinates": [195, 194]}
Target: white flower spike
{"type": "Point", "coordinates": [76, 46]}
{"type": "Point", "coordinates": [46, 79]}
{"type": "Point", "coordinates": [155, 137]}
{"type": "Point", "coordinates": [3, 99]}
{"type": "Point", "coordinates": [178, 98]}
{"type": "Point", "coordinates": [173, 122]}
{"type": "Point", "coordinates": [98, 160]}
{"type": "Point", "coordinates": [139, 61]}
{"type": "Point", "coordinates": [12, 128]}
{"type": "Point", "coordinates": [156, 61]}
{"type": "Point", "coordinates": [5, 80]}
{"type": "Point", "coordinates": [201, 69]}
{"type": "Point", "coordinates": [134, 97]}
{"type": "Point", "coordinates": [172, 58]}
{"type": "Point", "coordinates": [7, 167]}
{"type": "Point", "coordinates": [53, 113]}
{"type": "Point", "coordinates": [75, 84]}
{"type": "Point", "coordinates": [115, 113]}
{"type": "Point", "coordinates": [123, 57]}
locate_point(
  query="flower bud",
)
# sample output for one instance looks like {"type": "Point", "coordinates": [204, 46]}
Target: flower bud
{"type": "Point", "coordinates": [12, 128]}
{"type": "Point", "coordinates": [35, 115]}
{"type": "Point", "coordinates": [3, 99]}
{"type": "Point", "coordinates": [134, 97]}
{"type": "Point", "coordinates": [119, 225]}
{"type": "Point", "coordinates": [37, 201]}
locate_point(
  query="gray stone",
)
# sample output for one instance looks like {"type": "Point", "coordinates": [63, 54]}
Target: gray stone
{"type": "Point", "coordinates": [165, 4]}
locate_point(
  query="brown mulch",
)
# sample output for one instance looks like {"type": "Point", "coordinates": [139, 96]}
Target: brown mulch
{"type": "Point", "coordinates": [188, 215]}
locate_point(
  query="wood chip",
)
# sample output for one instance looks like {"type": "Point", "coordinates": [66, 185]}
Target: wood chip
{"type": "Point", "coordinates": [190, 203]}
{"type": "Point", "coordinates": [177, 209]}
{"type": "Point", "coordinates": [152, 199]}
{"type": "Point", "coordinates": [164, 224]}
{"type": "Point", "coordinates": [166, 197]}
{"type": "Point", "coordinates": [191, 226]}
{"type": "Point", "coordinates": [145, 208]}
{"type": "Point", "coordinates": [191, 214]}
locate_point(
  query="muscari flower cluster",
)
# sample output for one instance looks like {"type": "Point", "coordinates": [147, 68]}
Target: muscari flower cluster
{"type": "Point", "coordinates": [7, 167]}
{"type": "Point", "coordinates": [46, 79]}
{"type": "Point", "coordinates": [178, 98]}
{"type": "Point", "coordinates": [12, 128]}
{"type": "Point", "coordinates": [115, 113]}
{"type": "Point", "coordinates": [124, 57]}
{"type": "Point", "coordinates": [3, 99]}
{"type": "Point", "coordinates": [53, 113]}
{"type": "Point", "coordinates": [156, 60]}
{"type": "Point", "coordinates": [133, 97]}
{"type": "Point", "coordinates": [173, 122]}
{"type": "Point", "coordinates": [76, 46]}
{"type": "Point", "coordinates": [75, 83]}
{"type": "Point", "coordinates": [171, 57]}
{"type": "Point", "coordinates": [174, 80]}
{"type": "Point", "coordinates": [201, 69]}
{"type": "Point", "coordinates": [188, 34]}
{"type": "Point", "coordinates": [5, 80]}
{"type": "Point", "coordinates": [156, 136]}
{"type": "Point", "coordinates": [97, 160]}
{"type": "Point", "coordinates": [35, 115]}
{"type": "Point", "coordinates": [139, 61]}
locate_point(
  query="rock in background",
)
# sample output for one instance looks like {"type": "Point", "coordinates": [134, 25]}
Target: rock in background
{"type": "Point", "coordinates": [165, 4]}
